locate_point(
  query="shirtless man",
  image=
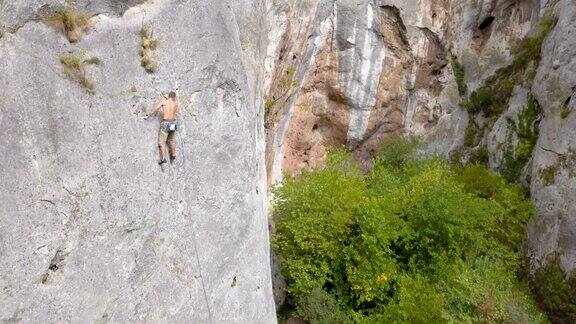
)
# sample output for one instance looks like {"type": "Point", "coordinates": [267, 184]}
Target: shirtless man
{"type": "Point", "coordinates": [169, 108]}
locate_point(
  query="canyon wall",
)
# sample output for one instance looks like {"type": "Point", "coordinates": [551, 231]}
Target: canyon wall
{"type": "Point", "coordinates": [91, 228]}
{"type": "Point", "coordinates": [354, 73]}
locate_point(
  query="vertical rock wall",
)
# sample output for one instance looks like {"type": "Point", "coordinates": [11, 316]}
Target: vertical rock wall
{"type": "Point", "coordinates": [356, 72]}
{"type": "Point", "coordinates": [91, 229]}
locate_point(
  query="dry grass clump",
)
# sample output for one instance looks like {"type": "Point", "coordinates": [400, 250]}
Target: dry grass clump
{"type": "Point", "coordinates": [74, 68]}
{"type": "Point", "coordinates": [148, 44]}
{"type": "Point", "coordinates": [70, 22]}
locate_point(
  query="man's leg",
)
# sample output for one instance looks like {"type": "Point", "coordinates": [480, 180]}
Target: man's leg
{"type": "Point", "coordinates": [162, 137]}
{"type": "Point", "coordinates": [161, 148]}
{"type": "Point", "coordinates": [171, 146]}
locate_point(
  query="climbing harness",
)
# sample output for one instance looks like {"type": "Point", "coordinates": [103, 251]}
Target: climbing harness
{"type": "Point", "coordinates": [171, 126]}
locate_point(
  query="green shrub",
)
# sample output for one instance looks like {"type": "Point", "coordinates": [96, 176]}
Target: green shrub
{"type": "Point", "coordinates": [471, 132]}
{"type": "Point", "coordinates": [556, 294]}
{"type": "Point", "coordinates": [487, 291]}
{"type": "Point", "coordinates": [511, 168]}
{"type": "Point", "coordinates": [491, 99]}
{"type": "Point", "coordinates": [526, 119]}
{"type": "Point", "coordinates": [529, 49]}
{"type": "Point", "coordinates": [481, 100]}
{"type": "Point", "coordinates": [413, 241]}
{"type": "Point", "coordinates": [480, 156]}
{"type": "Point", "coordinates": [515, 160]}
{"type": "Point", "coordinates": [321, 307]}
{"type": "Point", "coordinates": [397, 151]}
{"type": "Point", "coordinates": [460, 75]}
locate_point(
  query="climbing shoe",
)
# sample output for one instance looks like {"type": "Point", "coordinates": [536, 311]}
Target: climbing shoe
{"type": "Point", "coordinates": [161, 162]}
{"type": "Point", "coordinates": [172, 158]}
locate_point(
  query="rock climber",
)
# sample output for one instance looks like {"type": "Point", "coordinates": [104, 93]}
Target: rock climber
{"type": "Point", "coordinates": [168, 105]}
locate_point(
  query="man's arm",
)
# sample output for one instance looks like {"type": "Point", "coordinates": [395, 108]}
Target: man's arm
{"type": "Point", "coordinates": [155, 109]}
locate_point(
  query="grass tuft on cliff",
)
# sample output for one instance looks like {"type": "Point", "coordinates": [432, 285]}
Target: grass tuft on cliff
{"type": "Point", "coordinates": [148, 44]}
{"type": "Point", "coordinates": [71, 22]}
{"type": "Point", "coordinates": [413, 241]}
{"type": "Point", "coordinates": [74, 68]}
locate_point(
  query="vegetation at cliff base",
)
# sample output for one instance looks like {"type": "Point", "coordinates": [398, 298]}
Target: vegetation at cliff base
{"type": "Point", "coordinates": [412, 241]}
{"type": "Point", "coordinates": [554, 293]}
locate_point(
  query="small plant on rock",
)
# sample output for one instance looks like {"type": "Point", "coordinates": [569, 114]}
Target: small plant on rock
{"type": "Point", "coordinates": [460, 74]}
{"type": "Point", "coordinates": [548, 174]}
{"type": "Point", "coordinates": [530, 48]}
{"type": "Point", "coordinates": [74, 68]}
{"type": "Point", "coordinates": [71, 22]}
{"type": "Point", "coordinates": [284, 87]}
{"type": "Point", "coordinates": [148, 44]}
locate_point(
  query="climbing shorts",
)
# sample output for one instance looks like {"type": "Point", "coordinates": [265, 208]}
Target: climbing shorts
{"type": "Point", "coordinates": [164, 135]}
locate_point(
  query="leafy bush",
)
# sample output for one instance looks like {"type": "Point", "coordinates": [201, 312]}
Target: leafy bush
{"type": "Point", "coordinates": [491, 99]}
{"type": "Point", "coordinates": [514, 161]}
{"type": "Point", "coordinates": [471, 132]}
{"type": "Point", "coordinates": [555, 294]}
{"type": "Point", "coordinates": [413, 241]}
{"type": "Point", "coordinates": [480, 155]}
{"type": "Point", "coordinates": [529, 49]}
{"type": "Point", "coordinates": [321, 307]}
{"type": "Point", "coordinates": [460, 75]}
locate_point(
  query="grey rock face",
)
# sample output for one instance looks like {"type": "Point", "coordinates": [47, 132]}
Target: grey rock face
{"type": "Point", "coordinates": [91, 229]}
{"type": "Point", "coordinates": [553, 233]}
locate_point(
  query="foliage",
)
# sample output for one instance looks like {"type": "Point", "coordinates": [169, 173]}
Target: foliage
{"type": "Point", "coordinates": [556, 294]}
{"type": "Point", "coordinates": [397, 151]}
{"type": "Point", "coordinates": [413, 241]}
{"type": "Point", "coordinates": [526, 134]}
{"type": "Point", "coordinates": [148, 44]}
{"type": "Point", "coordinates": [460, 75]}
{"type": "Point", "coordinates": [529, 49]}
{"type": "Point", "coordinates": [548, 174]}
{"type": "Point", "coordinates": [321, 307]}
{"type": "Point", "coordinates": [481, 155]}
{"type": "Point", "coordinates": [515, 161]}
{"type": "Point", "coordinates": [471, 132]}
{"type": "Point", "coordinates": [283, 86]}
{"type": "Point", "coordinates": [71, 22]}
{"type": "Point", "coordinates": [491, 99]}
{"type": "Point", "coordinates": [74, 68]}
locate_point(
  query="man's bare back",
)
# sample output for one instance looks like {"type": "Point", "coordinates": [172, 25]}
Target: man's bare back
{"type": "Point", "coordinates": [168, 107]}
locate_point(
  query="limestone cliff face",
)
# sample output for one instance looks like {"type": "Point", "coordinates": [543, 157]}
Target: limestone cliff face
{"type": "Point", "coordinates": [91, 230]}
{"type": "Point", "coordinates": [355, 72]}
